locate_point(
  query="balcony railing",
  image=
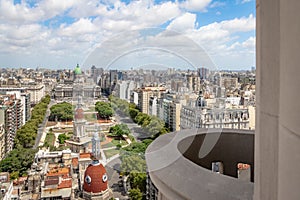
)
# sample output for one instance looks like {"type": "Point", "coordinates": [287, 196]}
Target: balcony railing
{"type": "Point", "coordinates": [180, 164]}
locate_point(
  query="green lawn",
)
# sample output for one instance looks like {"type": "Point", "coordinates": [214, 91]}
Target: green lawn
{"type": "Point", "coordinates": [90, 117]}
{"type": "Point", "coordinates": [62, 130]}
{"type": "Point", "coordinates": [50, 138]}
{"type": "Point", "coordinates": [108, 145]}
{"type": "Point", "coordinates": [114, 143]}
{"type": "Point", "coordinates": [91, 109]}
{"type": "Point", "coordinates": [110, 153]}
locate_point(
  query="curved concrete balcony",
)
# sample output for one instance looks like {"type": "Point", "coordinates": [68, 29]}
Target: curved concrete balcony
{"type": "Point", "coordinates": [180, 164]}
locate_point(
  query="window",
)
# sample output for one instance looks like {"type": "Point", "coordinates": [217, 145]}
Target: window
{"type": "Point", "coordinates": [88, 179]}
{"type": "Point", "coordinates": [104, 178]}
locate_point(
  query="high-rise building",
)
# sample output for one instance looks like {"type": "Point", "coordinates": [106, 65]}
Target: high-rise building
{"type": "Point", "coordinates": [143, 101]}
{"type": "Point", "coordinates": [193, 83]}
{"type": "Point", "coordinates": [144, 95]}
{"type": "Point", "coordinates": [11, 116]}
{"type": "Point", "coordinates": [203, 73]}
{"type": "Point", "coordinates": [121, 89]}
{"type": "Point", "coordinates": [25, 98]}
{"type": "Point", "coordinates": [168, 110]}
{"type": "Point", "coordinates": [37, 92]}
{"type": "Point", "coordinates": [153, 106]}
{"type": "Point", "coordinates": [113, 79]}
{"type": "Point", "coordinates": [134, 97]}
{"type": "Point", "coordinates": [2, 142]}
{"type": "Point", "coordinates": [96, 73]}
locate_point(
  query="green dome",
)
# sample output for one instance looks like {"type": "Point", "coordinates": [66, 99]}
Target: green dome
{"type": "Point", "coordinates": [77, 70]}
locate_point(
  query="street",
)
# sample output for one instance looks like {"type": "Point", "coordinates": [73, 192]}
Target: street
{"type": "Point", "coordinates": [136, 130]}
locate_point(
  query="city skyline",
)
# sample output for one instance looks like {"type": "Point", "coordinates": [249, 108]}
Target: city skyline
{"type": "Point", "coordinates": [44, 34]}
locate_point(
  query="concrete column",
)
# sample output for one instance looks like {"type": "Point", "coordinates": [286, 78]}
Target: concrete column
{"type": "Point", "coordinates": [277, 140]}
{"type": "Point", "coordinates": [289, 118]}
{"type": "Point", "coordinates": [267, 112]}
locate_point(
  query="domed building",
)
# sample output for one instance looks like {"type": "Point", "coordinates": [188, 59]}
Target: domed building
{"type": "Point", "coordinates": [77, 70]}
{"type": "Point", "coordinates": [95, 185]}
{"type": "Point", "coordinates": [79, 76]}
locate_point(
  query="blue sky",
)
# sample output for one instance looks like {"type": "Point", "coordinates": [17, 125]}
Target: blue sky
{"type": "Point", "coordinates": [59, 34]}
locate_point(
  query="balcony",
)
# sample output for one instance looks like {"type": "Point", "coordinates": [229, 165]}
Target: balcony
{"type": "Point", "coordinates": [180, 164]}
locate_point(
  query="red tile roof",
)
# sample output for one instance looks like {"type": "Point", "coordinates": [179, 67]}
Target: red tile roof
{"type": "Point", "coordinates": [65, 184]}
{"type": "Point", "coordinates": [84, 155]}
{"type": "Point", "coordinates": [51, 182]}
{"type": "Point", "coordinates": [59, 172]}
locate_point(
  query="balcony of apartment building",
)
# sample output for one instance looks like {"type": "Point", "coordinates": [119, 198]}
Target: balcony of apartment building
{"type": "Point", "coordinates": [179, 170]}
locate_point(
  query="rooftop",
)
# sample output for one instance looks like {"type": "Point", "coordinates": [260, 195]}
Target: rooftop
{"type": "Point", "coordinates": [59, 172]}
{"type": "Point", "coordinates": [65, 184]}
{"type": "Point", "coordinates": [64, 192]}
{"type": "Point", "coordinates": [84, 155]}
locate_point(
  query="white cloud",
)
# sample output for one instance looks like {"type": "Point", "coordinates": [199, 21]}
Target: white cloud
{"type": "Point", "coordinates": [18, 13]}
{"type": "Point", "coordinates": [247, 45]}
{"type": "Point", "coordinates": [196, 5]}
{"type": "Point", "coordinates": [22, 29]}
{"type": "Point", "coordinates": [246, 1]}
{"type": "Point", "coordinates": [23, 13]}
{"type": "Point", "coordinates": [217, 4]}
{"type": "Point", "coordinates": [239, 24]}
{"type": "Point", "coordinates": [183, 23]}
{"type": "Point", "coordinates": [216, 39]}
{"type": "Point", "coordinates": [221, 32]}
{"type": "Point", "coordinates": [141, 14]}
{"type": "Point", "coordinates": [28, 35]}
{"type": "Point", "coordinates": [82, 26]}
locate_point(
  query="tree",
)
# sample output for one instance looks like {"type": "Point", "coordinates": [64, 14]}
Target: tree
{"type": "Point", "coordinates": [135, 194]}
{"type": "Point", "coordinates": [136, 147]}
{"type": "Point", "coordinates": [155, 125]}
{"type": "Point", "coordinates": [133, 113]}
{"type": "Point", "coordinates": [133, 161]}
{"type": "Point", "coordinates": [62, 138]}
{"type": "Point", "coordinates": [104, 110]}
{"type": "Point", "coordinates": [18, 161]}
{"type": "Point", "coordinates": [61, 111]}
{"type": "Point", "coordinates": [119, 130]}
{"type": "Point", "coordinates": [14, 175]}
{"type": "Point", "coordinates": [125, 129]}
{"type": "Point", "coordinates": [141, 118]}
{"type": "Point", "coordinates": [138, 180]}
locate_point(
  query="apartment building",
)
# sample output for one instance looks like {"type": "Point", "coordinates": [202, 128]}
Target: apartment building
{"type": "Point", "coordinates": [2, 141]}
{"type": "Point", "coordinates": [11, 117]}
{"type": "Point", "coordinates": [199, 115]}
{"type": "Point", "coordinates": [193, 83]}
{"type": "Point", "coordinates": [144, 95]}
{"type": "Point", "coordinates": [228, 82]}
